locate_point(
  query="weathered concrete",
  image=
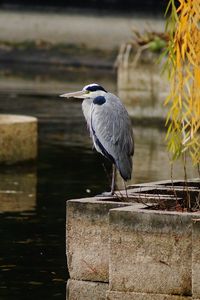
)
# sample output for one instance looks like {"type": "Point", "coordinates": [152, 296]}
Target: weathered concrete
{"type": "Point", "coordinates": [150, 251]}
{"type": "Point", "coordinates": [196, 258]}
{"type": "Point", "coordinates": [73, 28]}
{"type": "Point", "coordinates": [143, 253]}
{"type": "Point", "coordinates": [18, 140]}
{"type": "Point", "coordinates": [88, 238]}
{"type": "Point", "coordinates": [142, 296]}
{"type": "Point", "coordinates": [86, 290]}
{"type": "Point", "coordinates": [142, 87]}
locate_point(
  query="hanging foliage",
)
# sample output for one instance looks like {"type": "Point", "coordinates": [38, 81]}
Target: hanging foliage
{"type": "Point", "coordinates": [183, 65]}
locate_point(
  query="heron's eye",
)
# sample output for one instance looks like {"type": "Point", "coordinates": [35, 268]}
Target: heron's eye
{"type": "Point", "coordinates": [87, 92]}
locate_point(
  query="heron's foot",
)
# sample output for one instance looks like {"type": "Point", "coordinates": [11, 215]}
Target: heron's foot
{"type": "Point", "coordinates": [106, 194]}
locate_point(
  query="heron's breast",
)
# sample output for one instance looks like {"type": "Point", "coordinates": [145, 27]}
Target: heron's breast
{"type": "Point", "coordinates": [86, 107]}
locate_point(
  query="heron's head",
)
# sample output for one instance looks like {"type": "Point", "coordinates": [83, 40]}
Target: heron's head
{"type": "Point", "coordinates": [89, 91]}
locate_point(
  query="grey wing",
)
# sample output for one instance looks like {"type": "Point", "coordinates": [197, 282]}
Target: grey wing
{"type": "Point", "coordinates": [112, 134]}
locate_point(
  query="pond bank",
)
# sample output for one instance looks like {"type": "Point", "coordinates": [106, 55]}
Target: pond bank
{"type": "Point", "coordinates": [78, 27]}
{"type": "Point", "coordinates": [40, 51]}
{"type": "Point", "coordinates": [68, 38]}
{"type": "Point", "coordinates": [44, 53]}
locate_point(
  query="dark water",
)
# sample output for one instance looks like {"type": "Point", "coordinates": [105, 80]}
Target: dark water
{"type": "Point", "coordinates": [32, 252]}
{"type": "Point", "coordinates": [32, 219]}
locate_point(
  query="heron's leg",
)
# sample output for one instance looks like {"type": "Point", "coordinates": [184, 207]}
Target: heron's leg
{"type": "Point", "coordinates": [125, 188]}
{"type": "Point", "coordinates": [113, 179]}
{"type": "Point", "coordinates": [111, 193]}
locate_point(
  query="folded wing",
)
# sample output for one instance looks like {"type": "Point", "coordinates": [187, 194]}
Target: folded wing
{"type": "Point", "coordinates": [112, 133]}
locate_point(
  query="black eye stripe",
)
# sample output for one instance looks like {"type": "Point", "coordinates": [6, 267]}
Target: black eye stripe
{"type": "Point", "coordinates": [94, 88]}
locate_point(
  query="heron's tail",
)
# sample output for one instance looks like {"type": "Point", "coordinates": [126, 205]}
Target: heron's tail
{"type": "Point", "coordinates": [124, 165]}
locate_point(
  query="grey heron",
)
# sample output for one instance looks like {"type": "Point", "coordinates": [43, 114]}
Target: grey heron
{"type": "Point", "coordinates": [110, 127]}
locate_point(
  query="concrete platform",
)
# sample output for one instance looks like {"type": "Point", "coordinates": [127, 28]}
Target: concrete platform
{"type": "Point", "coordinates": [86, 290]}
{"type": "Point", "coordinates": [143, 296]}
{"type": "Point", "coordinates": [142, 86]}
{"type": "Point", "coordinates": [101, 31]}
{"type": "Point", "coordinates": [145, 253]}
{"type": "Point", "coordinates": [150, 251]}
{"type": "Point", "coordinates": [88, 238]}
{"type": "Point", "coordinates": [196, 258]}
{"type": "Point", "coordinates": [18, 140]}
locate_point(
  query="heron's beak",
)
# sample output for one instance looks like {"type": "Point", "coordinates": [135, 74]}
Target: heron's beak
{"type": "Point", "coordinates": [79, 94]}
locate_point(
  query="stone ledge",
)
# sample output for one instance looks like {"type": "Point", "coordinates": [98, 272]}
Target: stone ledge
{"type": "Point", "coordinates": [196, 259]}
{"type": "Point", "coordinates": [150, 251]}
{"type": "Point", "coordinates": [143, 296]}
{"type": "Point", "coordinates": [88, 238]}
{"type": "Point", "coordinates": [86, 290]}
{"type": "Point", "coordinates": [140, 85]}
{"type": "Point", "coordinates": [18, 138]}
{"type": "Point", "coordinates": [146, 253]}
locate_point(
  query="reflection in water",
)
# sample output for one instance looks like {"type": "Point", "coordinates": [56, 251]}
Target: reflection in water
{"type": "Point", "coordinates": [151, 160]}
{"type": "Point", "coordinates": [17, 189]}
{"type": "Point", "coordinates": [51, 80]}
{"type": "Point", "coordinates": [32, 252]}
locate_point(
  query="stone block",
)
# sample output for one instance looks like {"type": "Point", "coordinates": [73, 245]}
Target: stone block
{"type": "Point", "coordinates": [150, 251]}
{"type": "Point", "coordinates": [88, 238]}
{"type": "Point", "coordinates": [143, 296]}
{"type": "Point", "coordinates": [141, 86]}
{"type": "Point", "coordinates": [18, 140]}
{"type": "Point", "coordinates": [86, 290]}
{"type": "Point", "coordinates": [196, 258]}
